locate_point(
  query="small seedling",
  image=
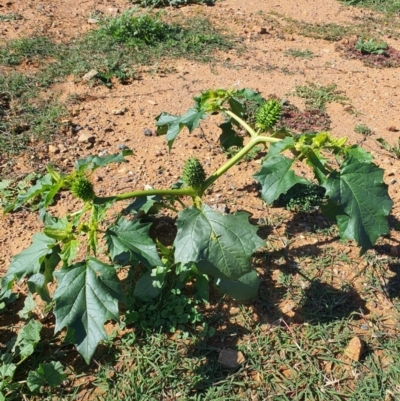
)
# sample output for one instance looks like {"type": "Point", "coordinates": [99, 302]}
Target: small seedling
{"type": "Point", "coordinates": [371, 47]}
{"type": "Point", "coordinates": [395, 150]}
{"type": "Point", "coordinates": [299, 53]}
{"type": "Point", "coordinates": [363, 130]}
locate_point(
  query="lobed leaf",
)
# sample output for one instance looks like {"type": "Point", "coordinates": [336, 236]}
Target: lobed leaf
{"type": "Point", "coordinates": [220, 245]}
{"type": "Point", "coordinates": [27, 339]}
{"type": "Point", "coordinates": [129, 242]}
{"type": "Point", "coordinates": [359, 202]}
{"type": "Point", "coordinates": [93, 162]}
{"type": "Point", "coordinates": [87, 295]}
{"type": "Point", "coordinates": [170, 125]}
{"type": "Point", "coordinates": [29, 261]}
{"type": "Point", "coordinates": [47, 374]}
{"type": "Point", "coordinates": [229, 136]}
{"type": "Point", "coordinates": [276, 177]}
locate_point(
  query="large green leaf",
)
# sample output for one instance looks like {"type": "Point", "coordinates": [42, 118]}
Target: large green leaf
{"type": "Point", "coordinates": [129, 242]}
{"type": "Point", "coordinates": [359, 201]}
{"type": "Point", "coordinates": [170, 125]}
{"type": "Point", "coordinates": [242, 289]}
{"type": "Point", "coordinates": [220, 245]}
{"type": "Point", "coordinates": [276, 177]}
{"type": "Point", "coordinates": [29, 261]}
{"type": "Point", "coordinates": [87, 295]}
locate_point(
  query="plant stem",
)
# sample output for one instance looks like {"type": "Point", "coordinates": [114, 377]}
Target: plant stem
{"type": "Point", "coordinates": [243, 123]}
{"type": "Point", "coordinates": [255, 140]}
{"type": "Point", "coordinates": [149, 192]}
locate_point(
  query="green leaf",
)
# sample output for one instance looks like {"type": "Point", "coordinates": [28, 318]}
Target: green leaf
{"type": "Point", "coordinates": [144, 287]}
{"type": "Point", "coordinates": [242, 289]}
{"type": "Point", "coordinates": [57, 228]}
{"type": "Point", "coordinates": [318, 165]}
{"type": "Point", "coordinates": [203, 287]}
{"type": "Point", "coordinates": [69, 251]}
{"type": "Point", "coordinates": [279, 147]}
{"type": "Point", "coordinates": [212, 100]}
{"type": "Point", "coordinates": [7, 371]}
{"type": "Point", "coordinates": [129, 242]}
{"type": "Point", "coordinates": [358, 153]}
{"type": "Point", "coordinates": [220, 245]}
{"type": "Point", "coordinates": [145, 204]}
{"type": "Point", "coordinates": [359, 201]}
{"type": "Point", "coordinates": [42, 186]}
{"type": "Point", "coordinates": [29, 305]}
{"type": "Point", "coordinates": [27, 339]}
{"type": "Point", "coordinates": [47, 374]}
{"type": "Point", "coordinates": [93, 162]}
{"type": "Point", "coordinates": [29, 260]}
{"type": "Point", "coordinates": [249, 94]}
{"type": "Point", "coordinates": [38, 283]}
{"type": "Point", "coordinates": [237, 107]}
{"type": "Point", "coordinates": [87, 295]}
{"type": "Point", "coordinates": [170, 125]}
{"type": "Point", "coordinates": [229, 136]}
{"type": "Point", "coordinates": [276, 177]}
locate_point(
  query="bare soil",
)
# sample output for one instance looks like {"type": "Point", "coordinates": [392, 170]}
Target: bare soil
{"type": "Point", "coordinates": [124, 115]}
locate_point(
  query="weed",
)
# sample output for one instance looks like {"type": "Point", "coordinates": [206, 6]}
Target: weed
{"type": "Point", "coordinates": [302, 198]}
{"type": "Point", "coordinates": [25, 116]}
{"type": "Point", "coordinates": [166, 3]}
{"type": "Point", "coordinates": [371, 47]}
{"type": "Point", "coordinates": [299, 53]}
{"type": "Point", "coordinates": [394, 150]}
{"type": "Point", "coordinates": [363, 130]}
{"type": "Point", "coordinates": [9, 189]}
{"type": "Point", "coordinates": [210, 249]}
{"type": "Point", "coordinates": [10, 17]}
{"type": "Point", "coordinates": [35, 48]}
{"type": "Point", "coordinates": [388, 6]}
{"type": "Point", "coordinates": [318, 95]}
{"type": "Point", "coordinates": [373, 56]}
{"type": "Point", "coordinates": [135, 30]}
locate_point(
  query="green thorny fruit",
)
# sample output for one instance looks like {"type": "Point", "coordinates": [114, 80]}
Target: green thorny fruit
{"type": "Point", "coordinates": [82, 188]}
{"type": "Point", "coordinates": [268, 114]}
{"type": "Point", "coordinates": [193, 173]}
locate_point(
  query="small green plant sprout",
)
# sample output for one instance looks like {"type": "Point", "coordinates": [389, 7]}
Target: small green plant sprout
{"type": "Point", "coordinates": [394, 150]}
{"type": "Point", "coordinates": [363, 130]}
{"type": "Point", "coordinates": [210, 248]}
{"type": "Point", "coordinates": [371, 46]}
{"type": "Point", "coordinates": [299, 53]}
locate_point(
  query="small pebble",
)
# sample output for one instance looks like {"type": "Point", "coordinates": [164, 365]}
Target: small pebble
{"type": "Point", "coordinates": [148, 132]}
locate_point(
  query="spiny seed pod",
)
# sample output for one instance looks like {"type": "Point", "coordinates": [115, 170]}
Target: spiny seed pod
{"type": "Point", "coordinates": [268, 114]}
{"type": "Point", "coordinates": [82, 188]}
{"type": "Point", "coordinates": [193, 173]}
